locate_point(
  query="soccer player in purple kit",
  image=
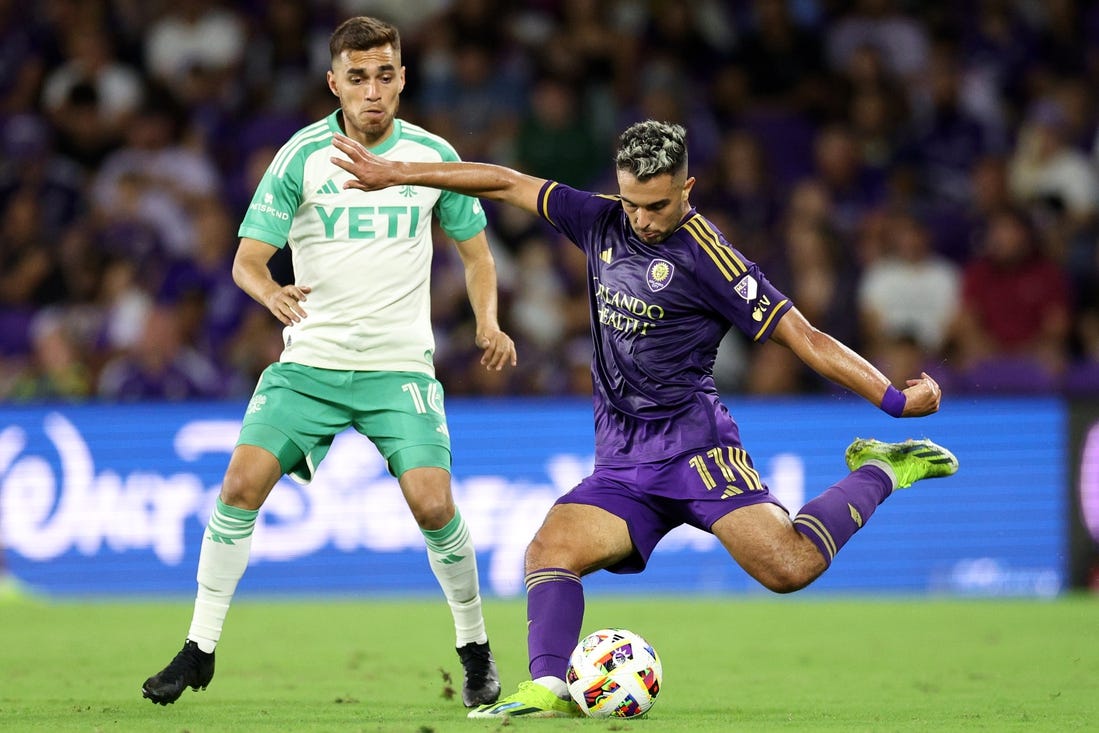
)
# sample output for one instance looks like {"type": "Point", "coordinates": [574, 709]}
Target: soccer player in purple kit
{"type": "Point", "coordinates": [664, 287]}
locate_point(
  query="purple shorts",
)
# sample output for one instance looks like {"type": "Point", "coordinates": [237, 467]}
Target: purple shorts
{"type": "Point", "coordinates": [696, 488]}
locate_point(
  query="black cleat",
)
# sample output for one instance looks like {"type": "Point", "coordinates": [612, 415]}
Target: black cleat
{"type": "Point", "coordinates": [482, 683]}
{"type": "Point", "coordinates": [192, 668]}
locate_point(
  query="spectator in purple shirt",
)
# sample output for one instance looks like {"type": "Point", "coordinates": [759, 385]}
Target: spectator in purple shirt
{"type": "Point", "coordinates": [159, 366]}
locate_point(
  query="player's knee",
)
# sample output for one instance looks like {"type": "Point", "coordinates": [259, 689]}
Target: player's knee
{"type": "Point", "coordinates": [786, 579]}
{"type": "Point", "coordinates": [252, 473]}
{"type": "Point", "coordinates": [239, 491]}
{"type": "Point", "coordinates": [432, 513]}
{"type": "Point", "coordinates": [789, 571]}
{"type": "Point", "coordinates": [544, 552]}
{"type": "Point", "coordinates": [785, 584]}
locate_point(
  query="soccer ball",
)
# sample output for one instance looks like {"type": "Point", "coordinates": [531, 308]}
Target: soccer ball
{"type": "Point", "coordinates": [614, 673]}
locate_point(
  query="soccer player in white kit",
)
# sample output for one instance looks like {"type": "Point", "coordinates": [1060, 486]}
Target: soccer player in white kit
{"type": "Point", "coordinates": [358, 346]}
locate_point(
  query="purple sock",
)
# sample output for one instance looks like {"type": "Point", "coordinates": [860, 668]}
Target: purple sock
{"type": "Point", "coordinates": [555, 613]}
{"type": "Point", "coordinates": [833, 517]}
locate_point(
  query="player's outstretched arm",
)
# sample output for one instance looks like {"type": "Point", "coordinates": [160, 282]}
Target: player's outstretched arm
{"type": "Point", "coordinates": [483, 180]}
{"type": "Point", "coordinates": [497, 348]}
{"type": "Point", "coordinates": [833, 360]}
{"type": "Point", "coordinates": [251, 274]}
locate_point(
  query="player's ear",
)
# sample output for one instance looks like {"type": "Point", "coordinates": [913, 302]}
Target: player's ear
{"type": "Point", "coordinates": [331, 78]}
{"type": "Point", "coordinates": [401, 87]}
{"type": "Point", "coordinates": [687, 186]}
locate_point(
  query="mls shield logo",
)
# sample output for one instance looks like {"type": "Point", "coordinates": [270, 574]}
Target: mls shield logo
{"type": "Point", "coordinates": [747, 288]}
{"type": "Point", "coordinates": [659, 274]}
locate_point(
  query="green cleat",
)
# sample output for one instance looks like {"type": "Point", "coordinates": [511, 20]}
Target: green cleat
{"type": "Point", "coordinates": [531, 700]}
{"type": "Point", "coordinates": [911, 460]}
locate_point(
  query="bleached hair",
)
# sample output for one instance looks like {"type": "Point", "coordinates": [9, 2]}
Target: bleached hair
{"type": "Point", "coordinates": [652, 148]}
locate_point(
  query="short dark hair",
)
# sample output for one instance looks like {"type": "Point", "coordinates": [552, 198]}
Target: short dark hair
{"type": "Point", "coordinates": [650, 148]}
{"type": "Point", "coordinates": [363, 33]}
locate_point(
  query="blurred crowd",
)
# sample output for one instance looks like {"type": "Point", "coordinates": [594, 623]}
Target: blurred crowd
{"type": "Point", "coordinates": [922, 179]}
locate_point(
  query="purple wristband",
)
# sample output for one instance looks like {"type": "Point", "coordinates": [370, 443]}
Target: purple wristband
{"type": "Point", "coordinates": [892, 402]}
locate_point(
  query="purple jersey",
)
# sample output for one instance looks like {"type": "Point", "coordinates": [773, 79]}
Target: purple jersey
{"type": "Point", "coordinates": [658, 313]}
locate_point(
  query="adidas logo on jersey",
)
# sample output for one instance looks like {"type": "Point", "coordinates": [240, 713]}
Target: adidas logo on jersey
{"type": "Point", "coordinates": [329, 187]}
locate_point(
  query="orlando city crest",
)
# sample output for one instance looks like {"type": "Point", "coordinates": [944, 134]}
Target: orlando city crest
{"type": "Point", "coordinates": [659, 274]}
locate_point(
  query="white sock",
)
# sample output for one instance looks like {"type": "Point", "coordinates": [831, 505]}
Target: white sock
{"type": "Point", "coordinates": [556, 685]}
{"type": "Point", "coordinates": [454, 563]}
{"type": "Point", "coordinates": [885, 467]}
{"type": "Point", "coordinates": [226, 545]}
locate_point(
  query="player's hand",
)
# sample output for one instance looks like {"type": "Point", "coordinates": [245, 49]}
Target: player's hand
{"type": "Point", "coordinates": [922, 396]}
{"type": "Point", "coordinates": [498, 348]}
{"type": "Point", "coordinates": [285, 303]}
{"type": "Point", "coordinates": [371, 171]}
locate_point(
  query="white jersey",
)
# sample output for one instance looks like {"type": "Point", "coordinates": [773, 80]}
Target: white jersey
{"type": "Point", "coordinates": [366, 255]}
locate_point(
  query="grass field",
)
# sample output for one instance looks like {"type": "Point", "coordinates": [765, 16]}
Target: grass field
{"type": "Point", "coordinates": [730, 664]}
